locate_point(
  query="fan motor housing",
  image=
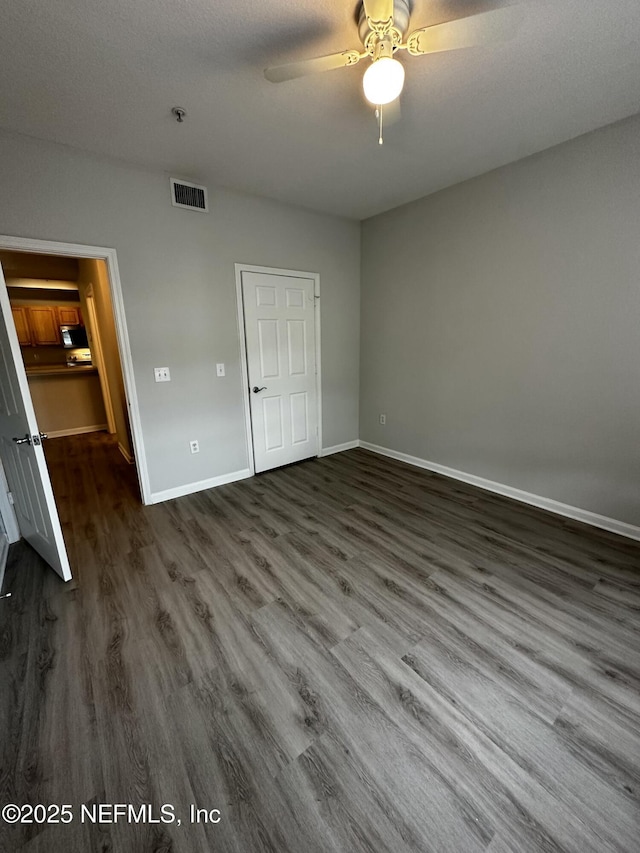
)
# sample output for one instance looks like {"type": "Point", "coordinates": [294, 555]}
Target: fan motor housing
{"type": "Point", "coordinates": [401, 15]}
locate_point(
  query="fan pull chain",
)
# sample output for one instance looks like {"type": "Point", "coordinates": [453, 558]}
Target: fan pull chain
{"type": "Point", "coordinates": [379, 117]}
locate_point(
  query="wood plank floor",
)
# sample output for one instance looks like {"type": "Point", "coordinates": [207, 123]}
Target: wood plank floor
{"type": "Point", "coordinates": [349, 654]}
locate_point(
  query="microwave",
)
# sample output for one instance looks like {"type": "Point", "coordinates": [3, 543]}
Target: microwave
{"type": "Point", "coordinates": [73, 336]}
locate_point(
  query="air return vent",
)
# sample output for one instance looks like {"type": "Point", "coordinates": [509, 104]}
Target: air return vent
{"type": "Point", "coordinates": [189, 196]}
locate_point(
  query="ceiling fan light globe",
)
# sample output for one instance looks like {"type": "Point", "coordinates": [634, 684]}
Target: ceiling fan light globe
{"type": "Point", "coordinates": [383, 80]}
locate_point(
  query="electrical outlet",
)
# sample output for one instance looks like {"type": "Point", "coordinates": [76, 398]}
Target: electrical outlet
{"type": "Point", "coordinates": [220, 369]}
{"type": "Point", "coordinates": [194, 446]}
{"type": "Point", "coordinates": [162, 374]}
{"type": "Point", "coordinates": [383, 419]}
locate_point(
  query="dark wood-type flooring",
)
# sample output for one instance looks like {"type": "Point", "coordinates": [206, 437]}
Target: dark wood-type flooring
{"type": "Point", "coordinates": [348, 654]}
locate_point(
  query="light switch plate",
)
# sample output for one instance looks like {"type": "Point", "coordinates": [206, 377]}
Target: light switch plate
{"type": "Point", "coordinates": [162, 374]}
{"type": "Point", "coordinates": [220, 369]}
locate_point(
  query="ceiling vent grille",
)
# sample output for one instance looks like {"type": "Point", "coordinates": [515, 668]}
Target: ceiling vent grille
{"type": "Point", "coordinates": [189, 196]}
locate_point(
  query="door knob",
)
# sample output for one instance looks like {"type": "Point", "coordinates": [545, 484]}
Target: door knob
{"type": "Point", "coordinates": [43, 435]}
{"type": "Point", "coordinates": [255, 389]}
{"type": "Point", "coordinates": [25, 440]}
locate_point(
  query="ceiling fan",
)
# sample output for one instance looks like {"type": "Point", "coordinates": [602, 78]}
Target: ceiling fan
{"type": "Point", "coordinates": [383, 27]}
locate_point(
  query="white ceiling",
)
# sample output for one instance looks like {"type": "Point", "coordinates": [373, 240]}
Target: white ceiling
{"type": "Point", "coordinates": [103, 75]}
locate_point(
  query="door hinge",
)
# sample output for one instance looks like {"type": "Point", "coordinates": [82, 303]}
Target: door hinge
{"type": "Point", "coordinates": [10, 498]}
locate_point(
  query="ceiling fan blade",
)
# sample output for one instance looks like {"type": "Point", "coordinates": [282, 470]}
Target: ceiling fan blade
{"type": "Point", "coordinates": [379, 15]}
{"type": "Point", "coordinates": [312, 66]}
{"type": "Point", "coordinates": [486, 28]}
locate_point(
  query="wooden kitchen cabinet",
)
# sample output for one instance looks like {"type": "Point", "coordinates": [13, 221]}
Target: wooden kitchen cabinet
{"type": "Point", "coordinates": [69, 315]}
{"type": "Point", "coordinates": [39, 325]}
{"type": "Point", "coordinates": [44, 326]}
{"type": "Point", "coordinates": [21, 322]}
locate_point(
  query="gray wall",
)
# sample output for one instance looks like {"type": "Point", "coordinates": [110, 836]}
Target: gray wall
{"type": "Point", "coordinates": [501, 325]}
{"type": "Point", "coordinates": [177, 271]}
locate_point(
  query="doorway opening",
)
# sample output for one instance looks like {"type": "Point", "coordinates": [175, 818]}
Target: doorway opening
{"type": "Point", "coordinates": [62, 311]}
{"type": "Point", "coordinates": [72, 370]}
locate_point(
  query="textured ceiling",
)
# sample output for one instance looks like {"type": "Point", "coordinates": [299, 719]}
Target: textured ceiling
{"type": "Point", "coordinates": [103, 75]}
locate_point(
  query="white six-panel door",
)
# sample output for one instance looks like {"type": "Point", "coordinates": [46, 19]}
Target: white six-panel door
{"type": "Point", "coordinates": [279, 316]}
{"type": "Point", "coordinates": [24, 462]}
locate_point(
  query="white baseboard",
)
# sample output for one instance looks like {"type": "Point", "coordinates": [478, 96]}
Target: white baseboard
{"type": "Point", "coordinates": [200, 486]}
{"type": "Point", "coordinates": [577, 514]}
{"type": "Point", "coordinates": [60, 433]}
{"type": "Point", "coordinates": [338, 448]}
{"type": "Point", "coordinates": [125, 453]}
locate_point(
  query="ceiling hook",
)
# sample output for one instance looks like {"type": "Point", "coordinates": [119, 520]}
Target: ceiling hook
{"type": "Point", "coordinates": [179, 113]}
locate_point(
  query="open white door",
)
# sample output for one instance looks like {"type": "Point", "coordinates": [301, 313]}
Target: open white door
{"type": "Point", "coordinates": [22, 454]}
{"type": "Point", "coordinates": [279, 315]}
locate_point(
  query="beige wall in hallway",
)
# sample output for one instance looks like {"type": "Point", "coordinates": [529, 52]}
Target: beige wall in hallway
{"type": "Point", "coordinates": [94, 272]}
{"type": "Point", "coordinates": [67, 403]}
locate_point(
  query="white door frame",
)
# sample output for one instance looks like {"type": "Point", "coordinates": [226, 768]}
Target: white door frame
{"type": "Point", "coordinates": [315, 278]}
{"type": "Point", "coordinates": [10, 522]}
{"type": "Point", "coordinates": [77, 250]}
{"type": "Point", "coordinates": [7, 511]}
